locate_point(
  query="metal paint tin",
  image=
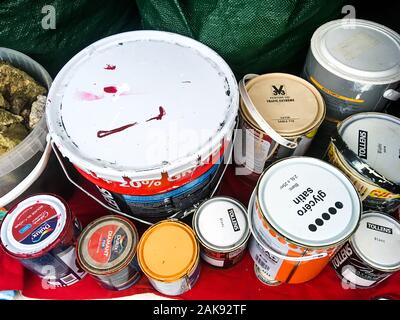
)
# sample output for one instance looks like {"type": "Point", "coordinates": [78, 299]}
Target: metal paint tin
{"type": "Point", "coordinates": [149, 131]}
{"type": "Point", "coordinates": [279, 116]}
{"type": "Point", "coordinates": [107, 251]}
{"type": "Point", "coordinates": [355, 64]}
{"type": "Point", "coordinates": [41, 233]}
{"type": "Point", "coordinates": [372, 254]}
{"type": "Point", "coordinates": [366, 148]}
{"type": "Point", "coordinates": [222, 229]}
{"type": "Point", "coordinates": [301, 211]}
{"type": "Point", "coordinates": [169, 255]}
{"type": "Point", "coordinates": [264, 277]}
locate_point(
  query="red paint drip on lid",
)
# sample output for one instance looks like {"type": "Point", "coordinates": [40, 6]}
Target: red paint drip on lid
{"type": "Point", "coordinates": [110, 89]}
{"type": "Point", "coordinates": [160, 115]}
{"type": "Point", "coordinates": [88, 96]}
{"type": "Point", "coordinates": [105, 133]}
{"type": "Point", "coordinates": [110, 67]}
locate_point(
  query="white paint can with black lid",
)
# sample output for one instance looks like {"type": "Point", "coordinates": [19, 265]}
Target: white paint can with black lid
{"type": "Point", "coordinates": [355, 64]}
{"type": "Point", "coordinates": [222, 228]}
{"type": "Point", "coordinates": [372, 254]}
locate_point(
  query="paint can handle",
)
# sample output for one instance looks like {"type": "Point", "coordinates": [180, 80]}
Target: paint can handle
{"type": "Point", "coordinates": [391, 94]}
{"type": "Point", "coordinates": [259, 118]}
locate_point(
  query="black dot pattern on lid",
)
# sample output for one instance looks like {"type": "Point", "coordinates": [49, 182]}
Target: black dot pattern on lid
{"type": "Point", "coordinates": [339, 205]}
{"type": "Point", "coordinates": [332, 210]}
{"type": "Point", "coordinates": [326, 216]}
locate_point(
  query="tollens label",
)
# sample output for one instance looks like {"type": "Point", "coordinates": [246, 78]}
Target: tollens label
{"type": "Point", "coordinates": [234, 221]}
{"type": "Point", "coordinates": [342, 255]}
{"type": "Point", "coordinates": [35, 223]}
{"type": "Point", "coordinates": [379, 228]}
{"type": "Point", "coordinates": [362, 144]}
{"type": "Point", "coordinates": [107, 243]}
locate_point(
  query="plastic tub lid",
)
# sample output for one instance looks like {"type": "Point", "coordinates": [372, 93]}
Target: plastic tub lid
{"type": "Point", "coordinates": [377, 241]}
{"type": "Point", "coordinates": [290, 105]}
{"type": "Point", "coordinates": [144, 93]}
{"type": "Point", "coordinates": [221, 224]}
{"type": "Point", "coordinates": [309, 202]}
{"type": "Point", "coordinates": [168, 251]}
{"type": "Point", "coordinates": [358, 50]}
{"type": "Point", "coordinates": [34, 226]}
{"type": "Point", "coordinates": [375, 138]}
{"type": "Point", "coordinates": [107, 245]}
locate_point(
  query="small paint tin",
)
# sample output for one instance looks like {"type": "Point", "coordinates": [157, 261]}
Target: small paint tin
{"type": "Point", "coordinates": [301, 211]}
{"type": "Point", "coordinates": [160, 113]}
{"type": "Point", "coordinates": [366, 147]}
{"type": "Point", "coordinates": [169, 255]}
{"type": "Point", "coordinates": [372, 254]}
{"type": "Point", "coordinates": [222, 229]}
{"type": "Point", "coordinates": [355, 64]}
{"type": "Point", "coordinates": [279, 116]}
{"type": "Point", "coordinates": [107, 251]}
{"type": "Point", "coordinates": [41, 233]}
{"type": "Point", "coordinates": [264, 277]}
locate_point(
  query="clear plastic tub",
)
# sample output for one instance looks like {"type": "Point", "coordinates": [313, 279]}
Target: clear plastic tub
{"type": "Point", "coordinates": [23, 165]}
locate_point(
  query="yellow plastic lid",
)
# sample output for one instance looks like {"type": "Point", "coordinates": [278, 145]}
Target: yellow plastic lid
{"type": "Point", "coordinates": [291, 105]}
{"type": "Point", "coordinates": [168, 251]}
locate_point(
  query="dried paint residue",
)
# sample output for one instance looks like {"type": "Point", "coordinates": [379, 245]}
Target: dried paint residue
{"type": "Point", "coordinates": [110, 89]}
{"type": "Point", "coordinates": [105, 133]}
{"type": "Point", "coordinates": [87, 96]}
{"type": "Point", "coordinates": [160, 115]}
{"type": "Point", "coordinates": [110, 67]}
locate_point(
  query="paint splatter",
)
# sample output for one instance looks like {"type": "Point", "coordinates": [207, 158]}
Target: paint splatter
{"type": "Point", "coordinates": [160, 115]}
{"type": "Point", "coordinates": [105, 133]}
{"type": "Point", "coordinates": [87, 96]}
{"type": "Point", "coordinates": [110, 67]}
{"type": "Point", "coordinates": [110, 89]}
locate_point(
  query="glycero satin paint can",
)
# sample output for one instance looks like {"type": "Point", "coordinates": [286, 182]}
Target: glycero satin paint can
{"type": "Point", "coordinates": [41, 232]}
{"type": "Point", "coordinates": [168, 254]}
{"type": "Point", "coordinates": [221, 226]}
{"type": "Point", "coordinates": [372, 254]}
{"type": "Point", "coordinates": [107, 251]}
{"type": "Point", "coordinates": [366, 147]}
{"type": "Point", "coordinates": [279, 116]}
{"type": "Point", "coordinates": [128, 94]}
{"type": "Point", "coordinates": [301, 211]}
{"type": "Point", "coordinates": [355, 64]}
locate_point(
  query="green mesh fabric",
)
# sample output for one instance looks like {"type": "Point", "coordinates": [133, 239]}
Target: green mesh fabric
{"type": "Point", "coordinates": [252, 35]}
{"type": "Point", "coordinates": [78, 23]}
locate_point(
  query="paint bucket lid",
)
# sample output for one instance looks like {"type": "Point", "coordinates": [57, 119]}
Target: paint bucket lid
{"type": "Point", "coordinates": [143, 93]}
{"type": "Point", "coordinates": [358, 50]}
{"type": "Point", "coordinates": [221, 224]}
{"type": "Point", "coordinates": [107, 245]}
{"type": "Point", "coordinates": [168, 251]}
{"type": "Point", "coordinates": [290, 105]}
{"type": "Point", "coordinates": [374, 137]}
{"type": "Point", "coordinates": [308, 201]}
{"type": "Point", "coordinates": [34, 226]}
{"type": "Point", "coordinates": [377, 241]}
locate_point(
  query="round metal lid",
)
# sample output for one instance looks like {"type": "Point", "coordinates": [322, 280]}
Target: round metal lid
{"type": "Point", "coordinates": [168, 251]}
{"type": "Point", "coordinates": [33, 225]}
{"type": "Point", "coordinates": [221, 224]}
{"type": "Point", "coordinates": [377, 241]}
{"type": "Point", "coordinates": [289, 104]}
{"type": "Point", "coordinates": [375, 137]}
{"type": "Point", "coordinates": [309, 201]}
{"type": "Point", "coordinates": [139, 103]}
{"type": "Point", "coordinates": [358, 50]}
{"type": "Point", "coordinates": [107, 244]}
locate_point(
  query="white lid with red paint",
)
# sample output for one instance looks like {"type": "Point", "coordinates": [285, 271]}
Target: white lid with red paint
{"type": "Point", "coordinates": [33, 225]}
{"type": "Point", "coordinates": [141, 103]}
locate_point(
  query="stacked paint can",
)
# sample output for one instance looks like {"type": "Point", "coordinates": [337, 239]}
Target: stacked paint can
{"type": "Point", "coordinates": [355, 64]}
{"type": "Point", "coordinates": [279, 116]}
{"type": "Point", "coordinates": [366, 147]}
{"type": "Point", "coordinates": [169, 255]}
{"type": "Point", "coordinates": [41, 232]}
{"type": "Point", "coordinates": [107, 251]}
{"type": "Point", "coordinates": [131, 113]}
{"type": "Point", "coordinates": [301, 211]}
